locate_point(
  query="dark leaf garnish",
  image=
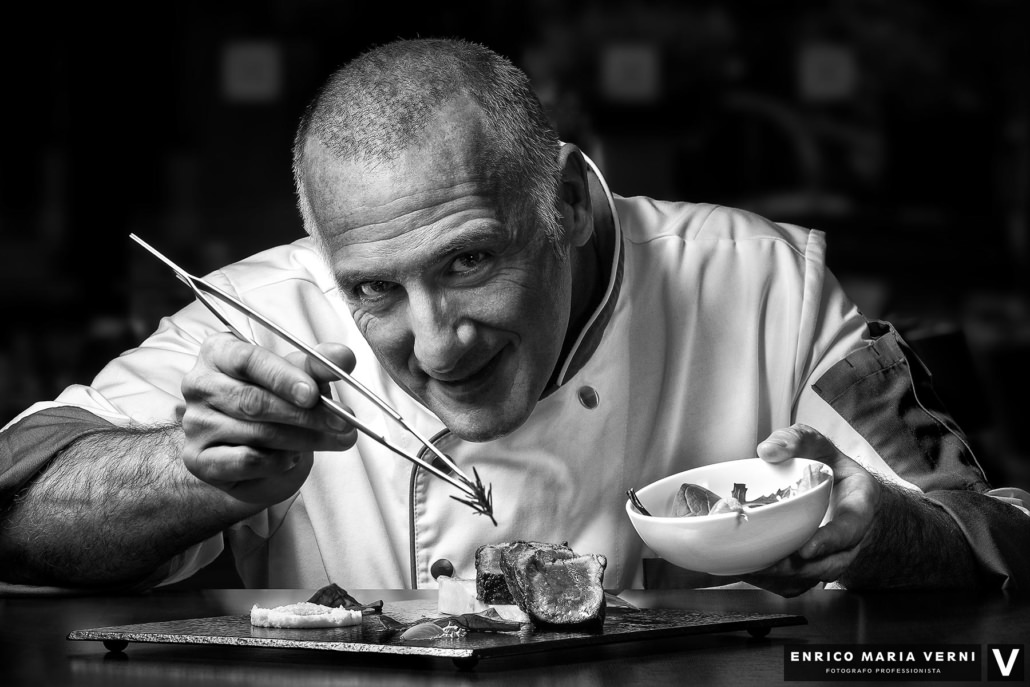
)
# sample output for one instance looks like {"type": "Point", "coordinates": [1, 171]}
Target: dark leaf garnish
{"type": "Point", "coordinates": [693, 499]}
{"type": "Point", "coordinates": [335, 596]}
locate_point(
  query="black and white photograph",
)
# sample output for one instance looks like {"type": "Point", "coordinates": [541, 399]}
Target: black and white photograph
{"type": "Point", "coordinates": [519, 343]}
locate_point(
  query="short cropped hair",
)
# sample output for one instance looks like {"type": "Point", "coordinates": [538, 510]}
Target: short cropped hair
{"type": "Point", "coordinates": [380, 103]}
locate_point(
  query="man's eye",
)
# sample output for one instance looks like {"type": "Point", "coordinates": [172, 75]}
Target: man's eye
{"type": "Point", "coordinates": [467, 262]}
{"type": "Point", "coordinates": [373, 289]}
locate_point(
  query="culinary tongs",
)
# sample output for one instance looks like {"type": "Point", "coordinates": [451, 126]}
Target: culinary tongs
{"type": "Point", "coordinates": [480, 498]}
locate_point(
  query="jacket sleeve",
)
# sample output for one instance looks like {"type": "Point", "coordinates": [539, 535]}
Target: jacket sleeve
{"type": "Point", "coordinates": [28, 445]}
{"type": "Point", "coordinates": [886, 394]}
{"type": "Point", "coordinates": [140, 387]}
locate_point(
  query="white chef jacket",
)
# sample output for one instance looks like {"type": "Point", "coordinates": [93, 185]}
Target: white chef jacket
{"type": "Point", "coordinates": [714, 324]}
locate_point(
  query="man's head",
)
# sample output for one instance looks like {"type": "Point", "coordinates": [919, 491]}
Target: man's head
{"type": "Point", "coordinates": [381, 103]}
{"type": "Point", "coordinates": [449, 214]}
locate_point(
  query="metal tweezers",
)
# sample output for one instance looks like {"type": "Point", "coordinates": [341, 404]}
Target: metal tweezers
{"type": "Point", "coordinates": [480, 498]}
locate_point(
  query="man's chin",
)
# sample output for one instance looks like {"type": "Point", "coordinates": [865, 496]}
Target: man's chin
{"type": "Point", "coordinates": [480, 427]}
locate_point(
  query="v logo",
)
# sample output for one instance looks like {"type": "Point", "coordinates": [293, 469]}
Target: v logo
{"type": "Point", "coordinates": [1006, 666]}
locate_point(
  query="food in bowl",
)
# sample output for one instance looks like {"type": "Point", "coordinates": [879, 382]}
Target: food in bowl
{"type": "Point", "coordinates": [727, 543]}
{"type": "Point", "coordinates": [694, 500]}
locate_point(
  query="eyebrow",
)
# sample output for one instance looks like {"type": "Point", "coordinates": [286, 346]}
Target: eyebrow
{"type": "Point", "coordinates": [479, 233]}
{"type": "Point", "coordinates": [464, 239]}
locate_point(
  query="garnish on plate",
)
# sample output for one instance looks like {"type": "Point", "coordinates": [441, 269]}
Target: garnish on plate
{"type": "Point", "coordinates": [335, 596]}
{"type": "Point", "coordinates": [454, 626]}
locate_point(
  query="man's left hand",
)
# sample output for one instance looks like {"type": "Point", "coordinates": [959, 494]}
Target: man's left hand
{"type": "Point", "coordinates": [856, 495]}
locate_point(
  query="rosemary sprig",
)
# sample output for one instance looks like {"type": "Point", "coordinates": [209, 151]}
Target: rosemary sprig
{"type": "Point", "coordinates": [482, 498]}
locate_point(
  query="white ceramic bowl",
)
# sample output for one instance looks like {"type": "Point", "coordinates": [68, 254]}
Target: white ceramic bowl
{"type": "Point", "coordinates": [726, 543]}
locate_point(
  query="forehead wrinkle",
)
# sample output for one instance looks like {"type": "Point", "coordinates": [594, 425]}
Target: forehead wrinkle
{"type": "Point", "coordinates": [361, 224]}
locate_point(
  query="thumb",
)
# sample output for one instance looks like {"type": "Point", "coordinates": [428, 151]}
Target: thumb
{"type": "Point", "coordinates": [339, 354]}
{"type": "Point", "coordinates": [797, 441]}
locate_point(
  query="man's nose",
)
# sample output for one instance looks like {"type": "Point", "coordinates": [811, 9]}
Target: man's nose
{"type": "Point", "coordinates": [442, 334]}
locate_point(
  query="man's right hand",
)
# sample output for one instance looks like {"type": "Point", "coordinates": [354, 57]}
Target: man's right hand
{"type": "Point", "coordinates": [253, 418]}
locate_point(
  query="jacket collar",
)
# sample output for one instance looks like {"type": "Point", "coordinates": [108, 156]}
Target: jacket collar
{"type": "Point", "coordinates": [590, 337]}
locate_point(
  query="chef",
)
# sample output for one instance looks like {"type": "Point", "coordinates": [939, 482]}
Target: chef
{"type": "Point", "coordinates": [566, 342]}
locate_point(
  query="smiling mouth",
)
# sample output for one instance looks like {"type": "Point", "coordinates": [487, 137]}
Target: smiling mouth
{"type": "Point", "coordinates": [473, 381]}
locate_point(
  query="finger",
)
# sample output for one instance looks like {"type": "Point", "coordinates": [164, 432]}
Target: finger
{"type": "Point", "coordinates": [792, 575]}
{"type": "Point", "coordinates": [253, 476]}
{"type": "Point", "coordinates": [207, 390]}
{"type": "Point", "coordinates": [783, 578]}
{"type": "Point", "coordinates": [825, 569]}
{"type": "Point", "coordinates": [216, 381]}
{"type": "Point", "coordinates": [337, 353]}
{"type": "Point", "coordinates": [227, 465]}
{"type": "Point", "coordinates": [205, 427]}
{"type": "Point", "coordinates": [850, 523]}
{"type": "Point", "coordinates": [261, 367]}
{"type": "Point", "coordinates": [799, 441]}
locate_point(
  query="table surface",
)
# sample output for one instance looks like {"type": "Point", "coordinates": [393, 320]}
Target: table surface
{"type": "Point", "coordinates": [34, 649]}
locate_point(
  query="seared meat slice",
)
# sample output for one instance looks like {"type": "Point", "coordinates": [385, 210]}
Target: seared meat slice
{"type": "Point", "coordinates": [554, 586]}
{"type": "Point", "coordinates": [491, 586]}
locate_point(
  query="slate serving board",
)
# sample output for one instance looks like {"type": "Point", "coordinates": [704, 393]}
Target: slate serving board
{"type": "Point", "coordinates": [372, 636]}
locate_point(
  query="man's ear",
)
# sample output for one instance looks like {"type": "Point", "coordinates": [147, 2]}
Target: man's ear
{"type": "Point", "coordinates": [577, 215]}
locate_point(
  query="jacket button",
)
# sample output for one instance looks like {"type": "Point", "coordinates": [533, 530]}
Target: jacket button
{"type": "Point", "coordinates": [441, 567]}
{"type": "Point", "coordinates": [588, 397]}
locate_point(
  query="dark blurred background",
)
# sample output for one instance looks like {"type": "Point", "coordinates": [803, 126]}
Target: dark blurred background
{"type": "Point", "coordinates": [899, 127]}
